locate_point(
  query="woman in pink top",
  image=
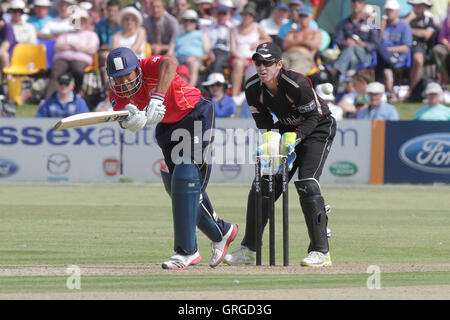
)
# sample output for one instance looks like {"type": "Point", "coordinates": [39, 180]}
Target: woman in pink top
{"type": "Point", "coordinates": [74, 51]}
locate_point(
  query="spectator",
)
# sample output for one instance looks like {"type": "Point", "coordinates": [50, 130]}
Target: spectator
{"type": "Point", "coordinates": [224, 105]}
{"type": "Point", "coordinates": [441, 51]}
{"type": "Point", "coordinates": [377, 110]}
{"type": "Point", "coordinates": [279, 16]}
{"type": "Point", "coordinates": [235, 16]}
{"type": "Point", "coordinates": [219, 35]}
{"type": "Point", "coordinates": [74, 51]}
{"type": "Point", "coordinates": [109, 25]}
{"type": "Point", "coordinates": [434, 111]}
{"type": "Point", "coordinates": [360, 103]}
{"type": "Point", "coordinates": [329, 98]}
{"type": "Point", "coordinates": [61, 24]}
{"type": "Point", "coordinates": [64, 102]}
{"type": "Point", "coordinates": [105, 29]}
{"type": "Point", "coordinates": [23, 31]}
{"type": "Point", "coordinates": [205, 12]}
{"type": "Point", "coordinates": [395, 43]}
{"type": "Point", "coordinates": [192, 46]}
{"type": "Point", "coordinates": [161, 28]}
{"type": "Point", "coordinates": [179, 7]}
{"type": "Point", "coordinates": [244, 39]}
{"type": "Point", "coordinates": [292, 24]}
{"type": "Point", "coordinates": [8, 41]}
{"type": "Point", "coordinates": [301, 46]}
{"type": "Point", "coordinates": [132, 35]}
{"type": "Point", "coordinates": [41, 16]}
{"type": "Point", "coordinates": [146, 8]}
{"type": "Point", "coordinates": [359, 82]}
{"type": "Point", "coordinates": [422, 28]}
{"type": "Point", "coordinates": [355, 38]}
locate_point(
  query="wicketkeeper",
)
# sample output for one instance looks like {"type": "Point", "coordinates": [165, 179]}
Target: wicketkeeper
{"type": "Point", "coordinates": [305, 133]}
{"type": "Point", "coordinates": [155, 94]}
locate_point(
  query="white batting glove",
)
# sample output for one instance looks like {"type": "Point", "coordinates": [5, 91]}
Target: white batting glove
{"type": "Point", "coordinates": [155, 110]}
{"type": "Point", "coordinates": [136, 120]}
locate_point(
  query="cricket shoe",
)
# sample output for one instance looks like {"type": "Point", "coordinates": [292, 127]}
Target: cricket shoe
{"type": "Point", "coordinates": [317, 259]}
{"type": "Point", "coordinates": [181, 262]}
{"type": "Point", "coordinates": [219, 249]}
{"type": "Point", "coordinates": [241, 255]}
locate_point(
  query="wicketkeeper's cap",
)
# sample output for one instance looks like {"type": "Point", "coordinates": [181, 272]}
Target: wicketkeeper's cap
{"type": "Point", "coordinates": [268, 51]}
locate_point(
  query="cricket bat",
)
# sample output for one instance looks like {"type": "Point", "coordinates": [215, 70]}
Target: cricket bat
{"type": "Point", "coordinates": [88, 118]}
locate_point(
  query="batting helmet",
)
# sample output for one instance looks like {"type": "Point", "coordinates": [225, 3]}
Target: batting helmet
{"type": "Point", "coordinates": [120, 62]}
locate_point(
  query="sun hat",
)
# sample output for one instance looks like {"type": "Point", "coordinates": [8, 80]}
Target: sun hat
{"type": "Point", "coordinates": [375, 87]}
{"type": "Point", "coordinates": [214, 78]}
{"type": "Point", "coordinates": [433, 87]}
{"type": "Point", "coordinates": [133, 11]}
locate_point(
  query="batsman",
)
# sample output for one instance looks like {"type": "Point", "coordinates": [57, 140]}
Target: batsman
{"type": "Point", "coordinates": [154, 94]}
{"type": "Point", "coordinates": [304, 132]}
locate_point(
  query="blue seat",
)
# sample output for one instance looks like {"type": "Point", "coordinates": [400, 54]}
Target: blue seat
{"type": "Point", "coordinates": [370, 64]}
{"type": "Point", "coordinates": [50, 49]}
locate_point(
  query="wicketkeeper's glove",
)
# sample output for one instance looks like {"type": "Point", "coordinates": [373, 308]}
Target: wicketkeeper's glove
{"type": "Point", "coordinates": [269, 147]}
{"type": "Point", "coordinates": [288, 143]}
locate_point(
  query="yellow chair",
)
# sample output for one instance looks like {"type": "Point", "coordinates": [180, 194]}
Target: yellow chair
{"type": "Point", "coordinates": [94, 66]}
{"type": "Point", "coordinates": [148, 50]}
{"type": "Point", "coordinates": [27, 59]}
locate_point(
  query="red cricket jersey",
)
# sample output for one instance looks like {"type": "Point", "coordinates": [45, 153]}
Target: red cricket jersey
{"type": "Point", "coordinates": [180, 98]}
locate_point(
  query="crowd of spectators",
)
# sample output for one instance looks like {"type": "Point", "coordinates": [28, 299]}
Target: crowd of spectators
{"type": "Point", "coordinates": [213, 41]}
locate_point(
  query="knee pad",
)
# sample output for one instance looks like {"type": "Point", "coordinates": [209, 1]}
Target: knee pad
{"type": "Point", "coordinates": [307, 188]}
{"type": "Point", "coordinates": [185, 191]}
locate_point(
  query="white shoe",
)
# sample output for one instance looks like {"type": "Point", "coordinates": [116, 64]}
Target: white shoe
{"type": "Point", "coordinates": [317, 259]}
{"type": "Point", "coordinates": [241, 255]}
{"type": "Point", "coordinates": [219, 249]}
{"type": "Point", "coordinates": [181, 262]}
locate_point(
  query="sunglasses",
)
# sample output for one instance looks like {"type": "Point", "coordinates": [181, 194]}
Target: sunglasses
{"type": "Point", "coordinates": [190, 20]}
{"type": "Point", "coordinates": [265, 63]}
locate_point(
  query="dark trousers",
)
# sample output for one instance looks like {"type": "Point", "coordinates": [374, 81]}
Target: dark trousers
{"type": "Point", "coordinates": [198, 125]}
{"type": "Point", "coordinates": [61, 66]}
{"type": "Point", "coordinates": [311, 155]}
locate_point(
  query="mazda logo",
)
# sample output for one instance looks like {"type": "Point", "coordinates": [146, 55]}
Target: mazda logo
{"type": "Point", "coordinates": [58, 163]}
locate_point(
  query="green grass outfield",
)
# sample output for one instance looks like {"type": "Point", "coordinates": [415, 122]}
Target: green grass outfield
{"type": "Point", "coordinates": [108, 228]}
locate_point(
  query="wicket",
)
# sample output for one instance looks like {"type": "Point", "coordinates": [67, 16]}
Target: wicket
{"type": "Point", "coordinates": [271, 209]}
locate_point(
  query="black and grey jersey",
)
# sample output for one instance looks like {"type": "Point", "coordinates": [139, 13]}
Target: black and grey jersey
{"type": "Point", "coordinates": [296, 104]}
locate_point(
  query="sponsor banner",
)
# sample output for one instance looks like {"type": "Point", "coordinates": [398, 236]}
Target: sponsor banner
{"type": "Point", "coordinates": [30, 150]}
{"type": "Point", "coordinates": [349, 158]}
{"type": "Point", "coordinates": [417, 152]}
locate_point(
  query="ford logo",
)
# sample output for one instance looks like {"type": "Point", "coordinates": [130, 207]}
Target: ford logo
{"type": "Point", "coordinates": [429, 153]}
{"type": "Point", "coordinates": [7, 167]}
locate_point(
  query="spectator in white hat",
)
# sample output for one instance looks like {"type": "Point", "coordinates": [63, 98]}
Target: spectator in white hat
{"type": "Point", "coordinates": [23, 31]}
{"type": "Point", "coordinates": [133, 35]}
{"type": "Point", "coordinates": [216, 86]}
{"type": "Point", "coordinates": [329, 98]}
{"type": "Point", "coordinates": [434, 111]}
{"type": "Point", "coordinates": [191, 47]}
{"type": "Point", "coordinates": [41, 16]}
{"type": "Point", "coordinates": [61, 24]}
{"type": "Point", "coordinates": [393, 47]}
{"type": "Point", "coordinates": [377, 109]}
